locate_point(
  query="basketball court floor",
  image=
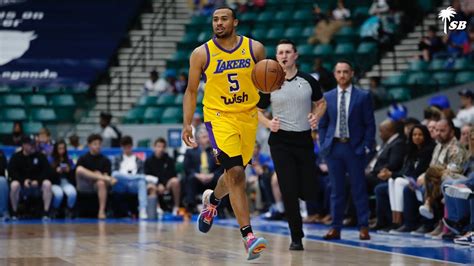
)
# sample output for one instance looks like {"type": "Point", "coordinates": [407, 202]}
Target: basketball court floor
{"type": "Point", "coordinates": [127, 242]}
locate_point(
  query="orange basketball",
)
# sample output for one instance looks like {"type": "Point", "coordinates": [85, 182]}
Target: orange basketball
{"type": "Point", "coordinates": [268, 75]}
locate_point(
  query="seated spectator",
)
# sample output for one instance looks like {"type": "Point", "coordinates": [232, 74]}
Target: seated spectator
{"type": "Point", "coordinates": [259, 175]}
{"type": "Point", "coordinates": [465, 136]}
{"type": "Point", "coordinates": [181, 83]}
{"type": "Point", "coordinates": [30, 175]}
{"type": "Point", "coordinates": [378, 92]}
{"type": "Point", "coordinates": [161, 165]}
{"type": "Point", "coordinates": [15, 138]}
{"type": "Point", "coordinates": [129, 170]}
{"type": "Point", "coordinates": [466, 113]}
{"type": "Point", "coordinates": [93, 173]}
{"type": "Point", "coordinates": [155, 85]}
{"type": "Point", "coordinates": [75, 142]}
{"type": "Point", "coordinates": [44, 143]}
{"type": "Point", "coordinates": [457, 43]}
{"type": "Point", "coordinates": [201, 169]}
{"type": "Point", "coordinates": [318, 14]}
{"type": "Point", "coordinates": [3, 187]}
{"type": "Point", "coordinates": [63, 170]}
{"type": "Point", "coordinates": [432, 129]}
{"type": "Point", "coordinates": [325, 77]}
{"type": "Point", "coordinates": [430, 44]}
{"type": "Point", "coordinates": [417, 160]}
{"type": "Point", "coordinates": [341, 12]}
{"type": "Point", "coordinates": [325, 29]}
{"type": "Point", "coordinates": [110, 133]}
{"type": "Point", "coordinates": [431, 113]}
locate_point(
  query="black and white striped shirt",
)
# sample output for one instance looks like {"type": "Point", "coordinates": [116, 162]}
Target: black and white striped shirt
{"type": "Point", "coordinates": [293, 101]}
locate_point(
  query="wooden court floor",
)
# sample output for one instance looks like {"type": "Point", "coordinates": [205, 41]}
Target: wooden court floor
{"type": "Point", "coordinates": [151, 243]}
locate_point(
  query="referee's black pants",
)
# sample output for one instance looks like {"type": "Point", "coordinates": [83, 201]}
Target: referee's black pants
{"type": "Point", "coordinates": [295, 166]}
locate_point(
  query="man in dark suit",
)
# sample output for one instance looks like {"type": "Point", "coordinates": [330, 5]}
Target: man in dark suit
{"type": "Point", "coordinates": [347, 134]}
{"type": "Point", "coordinates": [200, 168]}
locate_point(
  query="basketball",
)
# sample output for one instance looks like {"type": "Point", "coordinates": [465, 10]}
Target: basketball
{"type": "Point", "coordinates": [268, 75]}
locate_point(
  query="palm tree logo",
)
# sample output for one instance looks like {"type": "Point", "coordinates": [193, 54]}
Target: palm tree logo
{"type": "Point", "coordinates": [446, 15]}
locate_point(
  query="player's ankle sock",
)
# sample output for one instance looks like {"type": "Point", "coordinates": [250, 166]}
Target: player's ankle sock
{"type": "Point", "coordinates": [213, 200]}
{"type": "Point", "coordinates": [246, 230]}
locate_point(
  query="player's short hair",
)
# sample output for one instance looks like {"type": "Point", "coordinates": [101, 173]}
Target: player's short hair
{"type": "Point", "coordinates": [344, 61]}
{"type": "Point", "coordinates": [286, 41]}
{"type": "Point", "coordinates": [234, 14]}
{"type": "Point", "coordinates": [159, 140]}
{"type": "Point", "coordinates": [94, 137]}
{"type": "Point", "coordinates": [126, 140]}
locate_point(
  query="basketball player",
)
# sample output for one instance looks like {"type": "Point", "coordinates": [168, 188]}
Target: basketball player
{"type": "Point", "coordinates": [230, 115]}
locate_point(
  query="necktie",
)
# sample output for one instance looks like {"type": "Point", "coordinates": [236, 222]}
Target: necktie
{"type": "Point", "coordinates": [342, 118]}
{"type": "Point", "coordinates": [204, 162]}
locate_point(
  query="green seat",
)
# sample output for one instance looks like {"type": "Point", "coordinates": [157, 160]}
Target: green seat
{"type": "Point", "coordinates": [172, 115]}
{"type": "Point", "coordinates": [259, 34]}
{"type": "Point", "coordinates": [293, 33]}
{"type": "Point", "coordinates": [464, 77]}
{"type": "Point", "coordinates": [35, 100]}
{"type": "Point", "coordinates": [437, 65]}
{"type": "Point", "coordinates": [190, 38]}
{"type": "Point", "coordinates": [204, 36]}
{"type": "Point", "coordinates": [344, 51]}
{"type": "Point", "coordinates": [399, 94]}
{"type": "Point", "coordinates": [144, 143]}
{"type": "Point", "coordinates": [166, 100]}
{"type": "Point", "coordinates": [30, 128]}
{"type": "Point", "coordinates": [346, 34]}
{"type": "Point", "coordinates": [6, 128]}
{"type": "Point", "coordinates": [284, 15]}
{"type": "Point", "coordinates": [444, 78]}
{"type": "Point", "coordinates": [361, 12]}
{"type": "Point", "coordinates": [198, 20]}
{"type": "Point", "coordinates": [306, 67]}
{"type": "Point", "coordinates": [64, 100]}
{"type": "Point", "coordinates": [13, 114]}
{"type": "Point", "coordinates": [305, 51]}
{"type": "Point", "coordinates": [244, 30]}
{"type": "Point", "coordinates": [65, 114]}
{"type": "Point", "coordinates": [4, 89]}
{"type": "Point", "coordinates": [418, 78]}
{"type": "Point", "coordinates": [51, 90]}
{"type": "Point", "coordinates": [178, 100]}
{"type": "Point", "coordinates": [200, 97]}
{"type": "Point", "coordinates": [308, 32]}
{"type": "Point", "coordinates": [303, 15]}
{"type": "Point", "coordinates": [22, 90]}
{"type": "Point", "coordinates": [418, 65]}
{"type": "Point", "coordinates": [247, 17]}
{"type": "Point", "coordinates": [152, 115]}
{"type": "Point", "coordinates": [265, 17]}
{"type": "Point", "coordinates": [134, 116]}
{"type": "Point", "coordinates": [323, 50]}
{"type": "Point", "coordinates": [271, 51]}
{"type": "Point", "coordinates": [274, 35]}
{"type": "Point", "coordinates": [462, 64]}
{"type": "Point", "coordinates": [43, 115]}
{"type": "Point", "coordinates": [11, 100]}
{"type": "Point", "coordinates": [395, 80]}
{"type": "Point", "coordinates": [367, 55]}
{"type": "Point", "coordinates": [147, 100]}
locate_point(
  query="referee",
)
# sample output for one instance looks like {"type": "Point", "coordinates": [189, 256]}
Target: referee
{"type": "Point", "coordinates": [297, 107]}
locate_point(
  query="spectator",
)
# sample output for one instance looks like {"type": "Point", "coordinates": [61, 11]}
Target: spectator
{"type": "Point", "coordinates": [15, 138]}
{"type": "Point", "coordinates": [466, 113]}
{"type": "Point", "coordinates": [259, 176]}
{"type": "Point", "coordinates": [417, 160]}
{"type": "Point", "coordinates": [409, 123]}
{"type": "Point", "coordinates": [465, 136]}
{"type": "Point", "coordinates": [378, 92]}
{"type": "Point", "coordinates": [318, 14]}
{"type": "Point", "coordinates": [3, 187]}
{"type": "Point", "coordinates": [325, 29]}
{"type": "Point", "coordinates": [430, 44]}
{"type": "Point", "coordinates": [155, 85]}
{"type": "Point", "coordinates": [431, 113]}
{"type": "Point", "coordinates": [29, 174]}
{"type": "Point", "coordinates": [200, 168]}
{"type": "Point", "coordinates": [457, 42]}
{"type": "Point", "coordinates": [162, 166]}
{"type": "Point", "coordinates": [63, 170]}
{"type": "Point", "coordinates": [379, 8]}
{"type": "Point", "coordinates": [75, 142]}
{"type": "Point", "coordinates": [432, 129]}
{"type": "Point", "coordinates": [325, 77]}
{"type": "Point", "coordinates": [44, 143]}
{"type": "Point", "coordinates": [341, 12]}
{"type": "Point", "coordinates": [110, 133]}
{"type": "Point", "coordinates": [128, 169]}
{"type": "Point", "coordinates": [181, 83]}
{"type": "Point", "coordinates": [93, 173]}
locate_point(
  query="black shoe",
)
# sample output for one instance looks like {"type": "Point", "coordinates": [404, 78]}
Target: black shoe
{"type": "Point", "coordinates": [450, 236]}
{"type": "Point", "coordinates": [402, 230]}
{"type": "Point", "coordinates": [296, 246]}
{"type": "Point", "coordinates": [378, 227]}
{"type": "Point", "coordinates": [422, 230]}
{"type": "Point", "coordinates": [69, 214]}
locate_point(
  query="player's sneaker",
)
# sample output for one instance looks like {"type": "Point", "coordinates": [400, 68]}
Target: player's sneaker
{"type": "Point", "coordinates": [254, 246]}
{"type": "Point", "coordinates": [209, 211]}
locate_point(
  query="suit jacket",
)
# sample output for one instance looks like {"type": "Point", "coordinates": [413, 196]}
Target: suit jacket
{"type": "Point", "coordinates": [192, 162]}
{"type": "Point", "coordinates": [391, 157]}
{"type": "Point", "coordinates": [361, 122]}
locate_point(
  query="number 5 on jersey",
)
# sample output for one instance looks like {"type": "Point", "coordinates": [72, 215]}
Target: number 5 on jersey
{"type": "Point", "coordinates": [233, 82]}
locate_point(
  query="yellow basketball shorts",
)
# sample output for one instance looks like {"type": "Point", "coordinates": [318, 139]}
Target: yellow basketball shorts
{"type": "Point", "coordinates": [232, 135]}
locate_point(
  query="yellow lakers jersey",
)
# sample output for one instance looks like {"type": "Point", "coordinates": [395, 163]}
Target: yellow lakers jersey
{"type": "Point", "coordinates": [227, 74]}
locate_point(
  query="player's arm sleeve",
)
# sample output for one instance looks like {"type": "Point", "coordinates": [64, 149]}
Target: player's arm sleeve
{"type": "Point", "coordinates": [264, 101]}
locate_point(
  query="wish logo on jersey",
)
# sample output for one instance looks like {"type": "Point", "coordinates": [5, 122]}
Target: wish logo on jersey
{"type": "Point", "coordinates": [231, 64]}
{"type": "Point", "coordinates": [235, 99]}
